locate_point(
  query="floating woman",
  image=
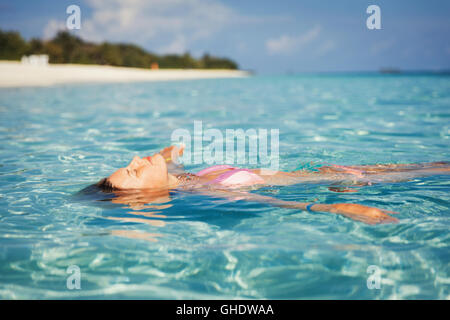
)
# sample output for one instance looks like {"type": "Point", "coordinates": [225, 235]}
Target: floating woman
{"type": "Point", "coordinates": [154, 176]}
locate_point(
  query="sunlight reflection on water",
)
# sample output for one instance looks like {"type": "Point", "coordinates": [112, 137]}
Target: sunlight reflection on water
{"type": "Point", "coordinates": [58, 140]}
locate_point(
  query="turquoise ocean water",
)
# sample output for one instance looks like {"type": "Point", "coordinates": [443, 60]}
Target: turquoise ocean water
{"type": "Point", "coordinates": [57, 140]}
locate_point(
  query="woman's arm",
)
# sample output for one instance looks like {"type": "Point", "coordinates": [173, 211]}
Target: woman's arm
{"type": "Point", "coordinates": [367, 175]}
{"type": "Point", "coordinates": [171, 155]}
{"type": "Point", "coordinates": [369, 215]}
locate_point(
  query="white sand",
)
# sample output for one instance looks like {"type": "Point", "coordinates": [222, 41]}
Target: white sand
{"type": "Point", "coordinates": [14, 74]}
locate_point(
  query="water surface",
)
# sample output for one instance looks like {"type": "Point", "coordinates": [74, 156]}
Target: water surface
{"type": "Point", "coordinates": [57, 140]}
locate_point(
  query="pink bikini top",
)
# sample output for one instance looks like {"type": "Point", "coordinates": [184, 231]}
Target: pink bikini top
{"type": "Point", "coordinates": [234, 177]}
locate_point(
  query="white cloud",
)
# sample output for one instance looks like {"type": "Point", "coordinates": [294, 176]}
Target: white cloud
{"type": "Point", "coordinates": [52, 28]}
{"type": "Point", "coordinates": [286, 44]}
{"type": "Point", "coordinates": [177, 22]}
{"type": "Point", "coordinates": [177, 46]}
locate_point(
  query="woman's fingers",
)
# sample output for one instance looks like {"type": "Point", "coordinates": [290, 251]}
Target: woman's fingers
{"type": "Point", "coordinates": [384, 218]}
{"type": "Point", "coordinates": [176, 150]}
{"type": "Point", "coordinates": [364, 214]}
{"type": "Point", "coordinates": [378, 218]}
{"type": "Point", "coordinates": [172, 153]}
{"type": "Point", "coordinates": [181, 149]}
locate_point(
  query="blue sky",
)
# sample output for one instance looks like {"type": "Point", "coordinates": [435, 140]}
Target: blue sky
{"type": "Point", "coordinates": [265, 36]}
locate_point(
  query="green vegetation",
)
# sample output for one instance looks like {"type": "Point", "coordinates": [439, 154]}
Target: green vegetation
{"type": "Point", "coordinates": [67, 48]}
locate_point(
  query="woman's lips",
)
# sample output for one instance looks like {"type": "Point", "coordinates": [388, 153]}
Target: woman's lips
{"type": "Point", "coordinates": [149, 158]}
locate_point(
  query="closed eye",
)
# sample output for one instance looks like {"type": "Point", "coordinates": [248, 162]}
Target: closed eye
{"type": "Point", "coordinates": [132, 172]}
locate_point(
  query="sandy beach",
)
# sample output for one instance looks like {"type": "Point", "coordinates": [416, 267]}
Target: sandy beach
{"type": "Point", "coordinates": [15, 74]}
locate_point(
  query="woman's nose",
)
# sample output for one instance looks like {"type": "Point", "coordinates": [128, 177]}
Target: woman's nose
{"type": "Point", "coordinates": [135, 162]}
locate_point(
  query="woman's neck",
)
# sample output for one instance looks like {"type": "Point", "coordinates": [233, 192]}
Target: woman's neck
{"type": "Point", "coordinates": [173, 181]}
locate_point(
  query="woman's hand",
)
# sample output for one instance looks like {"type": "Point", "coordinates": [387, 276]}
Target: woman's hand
{"type": "Point", "coordinates": [354, 211]}
{"type": "Point", "coordinates": [362, 213]}
{"type": "Point", "coordinates": [172, 153]}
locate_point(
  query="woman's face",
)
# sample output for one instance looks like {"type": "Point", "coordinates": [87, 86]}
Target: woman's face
{"type": "Point", "coordinates": [147, 173]}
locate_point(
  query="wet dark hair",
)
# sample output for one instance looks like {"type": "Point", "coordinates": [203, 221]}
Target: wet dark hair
{"type": "Point", "coordinates": [100, 191]}
{"type": "Point", "coordinates": [105, 185]}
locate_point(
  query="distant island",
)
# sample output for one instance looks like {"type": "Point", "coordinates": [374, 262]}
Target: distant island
{"type": "Point", "coordinates": [390, 70]}
{"type": "Point", "coordinates": [67, 48]}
